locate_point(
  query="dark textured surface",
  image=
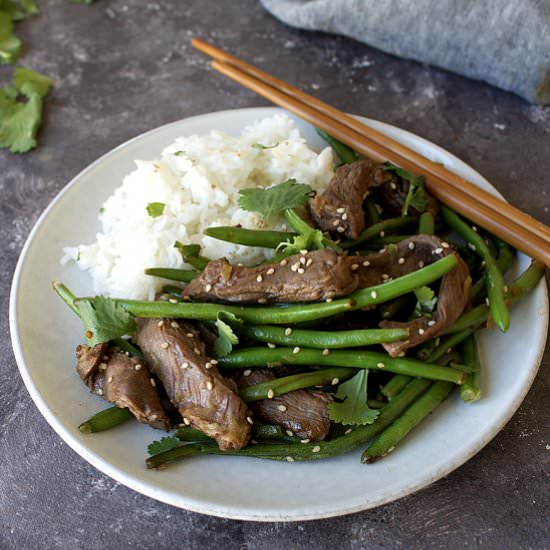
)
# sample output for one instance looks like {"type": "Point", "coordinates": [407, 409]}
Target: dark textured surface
{"type": "Point", "coordinates": [125, 67]}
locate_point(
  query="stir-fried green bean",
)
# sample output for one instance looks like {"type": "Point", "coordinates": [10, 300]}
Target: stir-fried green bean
{"type": "Point", "coordinates": [105, 420]}
{"type": "Point", "coordinates": [379, 230]}
{"type": "Point", "coordinates": [493, 275]}
{"type": "Point", "coordinates": [259, 431]}
{"type": "Point", "coordinates": [182, 275]}
{"type": "Point", "coordinates": [322, 339]}
{"type": "Point", "coordinates": [449, 343]}
{"type": "Point", "coordinates": [286, 384]}
{"type": "Point", "coordinates": [249, 237]}
{"type": "Point", "coordinates": [371, 212]}
{"type": "Point", "coordinates": [298, 313]}
{"type": "Point", "coordinates": [471, 390]}
{"type": "Point", "coordinates": [254, 357]}
{"type": "Point", "coordinates": [346, 154]}
{"type": "Point", "coordinates": [307, 451]}
{"type": "Point", "coordinates": [392, 435]}
{"type": "Point", "coordinates": [426, 223]}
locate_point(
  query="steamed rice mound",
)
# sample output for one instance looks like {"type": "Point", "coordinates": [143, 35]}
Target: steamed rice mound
{"type": "Point", "coordinates": [198, 179]}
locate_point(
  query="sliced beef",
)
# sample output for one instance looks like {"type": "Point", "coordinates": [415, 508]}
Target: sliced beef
{"type": "Point", "coordinates": [314, 276]}
{"type": "Point", "coordinates": [122, 380]}
{"type": "Point", "coordinates": [303, 412]}
{"type": "Point", "coordinates": [405, 257]}
{"type": "Point", "coordinates": [340, 208]}
{"type": "Point", "coordinates": [205, 399]}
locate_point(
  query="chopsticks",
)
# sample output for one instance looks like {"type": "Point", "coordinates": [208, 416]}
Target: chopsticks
{"type": "Point", "coordinates": [500, 218]}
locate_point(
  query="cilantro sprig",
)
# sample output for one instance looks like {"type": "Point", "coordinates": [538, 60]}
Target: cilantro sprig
{"type": "Point", "coordinates": [226, 336]}
{"type": "Point", "coordinates": [426, 301]}
{"type": "Point", "coordinates": [352, 407]}
{"type": "Point", "coordinates": [273, 200]}
{"type": "Point", "coordinates": [417, 197]}
{"type": "Point", "coordinates": [166, 443]}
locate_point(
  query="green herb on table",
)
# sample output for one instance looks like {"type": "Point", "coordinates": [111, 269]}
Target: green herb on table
{"type": "Point", "coordinates": [354, 408]}
{"type": "Point", "coordinates": [155, 209]}
{"type": "Point", "coordinates": [162, 445]}
{"type": "Point", "coordinates": [273, 200]}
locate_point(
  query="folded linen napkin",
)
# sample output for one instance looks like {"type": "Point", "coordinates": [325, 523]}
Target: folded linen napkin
{"type": "Point", "coordinates": [503, 42]}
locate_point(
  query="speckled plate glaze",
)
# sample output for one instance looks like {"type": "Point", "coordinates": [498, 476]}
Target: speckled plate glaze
{"type": "Point", "coordinates": [45, 332]}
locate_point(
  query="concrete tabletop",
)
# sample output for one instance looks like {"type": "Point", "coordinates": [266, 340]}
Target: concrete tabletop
{"type": "Point", "coordinates": [125, 66]}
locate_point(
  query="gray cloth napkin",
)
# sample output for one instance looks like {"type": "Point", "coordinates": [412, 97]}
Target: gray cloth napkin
{"type": "Point", "coordinates": [503, 42]}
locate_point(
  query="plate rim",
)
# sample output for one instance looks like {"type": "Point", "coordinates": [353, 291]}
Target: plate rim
{"type": "Point", "coordinates": [220, 510]}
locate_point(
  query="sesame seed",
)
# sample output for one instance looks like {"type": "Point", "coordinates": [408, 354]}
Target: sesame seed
{"type": "Point", "coordinates": [290, 433]}
{"type": "Point", "coordinates": [164, 345]}
{"type": "Point", "coordinates": [208, 287]}
{"type": "Point", "coordinates": [262, 300]}
{"type": "Point", "coordinates": [382, 233]}
{"type": "Point", "coordinates": [172, 300]}
{"type": "Point", "coordinates": [103, 366]}
{"type": "Point", "coordinates": [304, 251]}
{"type": "Point", "coordinates": [472, 246]}
{"type": "Point", "coordinates": [284, 262]}
{"type": "Point", "coordinates": [247, 372]}
{"type": "Point", "coordinates": [334, 381]}
{"type": "Point", "coordinates": [288, 331]}
{"type": "Point", "coordinates": [505, 288]}
{"type": "Point", "coordinates": [197, 351]}
{"type": "Point", "coordinates": [184, 365]}
{"type": "Point", "coordinates": [99, 391]}
{"type": "Point", "coordinates": [301, 270]}
{"type": "Point", "coordinates": [153, 383]}
{"type": "Point", "coordinates": [382, 250]}
{"type": "Point", "coordinates": [390, 449]}
{"type": "Point", "coordinates": [309, 262]}
{"type": "Point", "coordinates": [401, 354]}
{"type": "Point", "coordinates": [354, 267]}
{"type": "Point", "coordinates": [445, 245]}
{"type": "Point", "coordinates": [282, 408]}
{"type": "Point", "coordinates": [411, 246]}
{"type": "Point", "coordinates": [336, 222]}
{"type": "Point", "coordinates": [366, 263]}
{"type": "Point", "coordinates": [303, 261]}
{"type": "Point", "coordinates": [105, 358]}
{"type": "Point", "coordinates": [289, 459]}
{"type": "Point", "coordinates": [304, 441]}
{"type": "Point", "coordinates": [340, 229]}
{"type": "Point", "coordinates": [474, 228]}
{"type": "Point", "coordinates": [110, 379]}
{"type": "Point", "coordinates": [316, 449]}
{"type": "Point", "coordinates": [431, 323]}
{"type": "Point", "coordinates": [294, 267]}
{"type": "Point", "coordinates": [259, 278]}
{"type": "Point", "coordinates": [344, 217]}
{"type": "Point", "coordinates": [296, 350]}
{"type": "Point", "coordinates": [186, 421]}
{"type": "Point", "coordinates": [340, 210]}
{"type": "Point", "coordinates": [373, 294]}
{"type": "Point", "coordinates": [420, 263]}
{"type": "Point", "coordinates": [393, 186]}
{"type": "Point", "coordinates": [137, 367]}
{"type": "Point", "coordinates": [214, 361]}
{"type": "Point", "coordinates": [270, 271]}
{"type": "Point", "coordinates": [328, 300]}
{"type": "Point", "coordinates": [160, 323]}
{"type": "Point", "coordinates": [385, 276]}
{"type": "Point", "coordinates": [401, 261]}
{"type": "Point", "coordinates": [487, 301]}
{"type": "Point", "coordinates": [153, 417]}
{"type": "Point", "coordinates": [209, 385]}
{"type": "Point", "coordinates": [271, 345]}
{"type": "Point", "coordinates": [421, 331]}
{"type": "Point", "coordinates": [190, 335]}
{"type": "Point", "coordinates": [348, 431]}
{"type": "Point", "coordinates": [249, 420]}
{"type": "Point", "coordinates": [174, 324]}
{"type": "Point", "coordinates": [448, 350]}
{"type": "Point", "coordinates": [270, 394]}
{"type": "Point", "coordinates": [208, 365]}
{"type": "Point", "coordinates": [326, 351]}
{"type": "Point", "coordinates": [437, 341]}
{"type": "Point", "coordinates": [380, 365]}
{"type": "Point", "coordinates": [438, 250]}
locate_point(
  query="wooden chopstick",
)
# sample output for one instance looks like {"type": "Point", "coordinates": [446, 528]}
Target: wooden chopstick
{"type": "Point", "coordinates": [371, 143]}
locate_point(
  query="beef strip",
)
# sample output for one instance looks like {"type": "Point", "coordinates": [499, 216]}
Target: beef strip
{"type": "Point", "coordinates": [340, 208]}
{"type": "Point", "coordinates": [304, 412]}
{"type": "Point", "coordinates": [122, 380]}
{"type": "Point", "coordinates": [204, 398]}
{"type": "Point", "coordinates": [314, 276]}
{"type": "Point", "coordinates": [405, 257]}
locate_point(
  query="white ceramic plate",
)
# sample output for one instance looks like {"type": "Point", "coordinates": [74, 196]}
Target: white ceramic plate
{"type": "Point", "coordinates": [45, 332]}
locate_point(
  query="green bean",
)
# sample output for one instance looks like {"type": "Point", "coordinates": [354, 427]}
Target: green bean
{"type": "Point", "coordinates": [105, 420]}
{"type": "Point", "coordinates": [525, 283]}
{"type": "Point", "coordinates": [307, 451]}
{"type": "Point", "coordinates": [303, 228]}
{"type": "Point", "coordinates": [347, 155]}
{"type": "Point", "coordinates": [297, 313]}
{"type": "Point", "coordinates": [172, 290]}
{"type": "Point", "coordinates": [259, 431]}
{"type": "Point", "coordinates": [182, 275]}
{"type": "Point", "coordinates": [426, 224]}
{"type": "Point", "coordinates": [380, 227]}
{"type": "Point", "coordinates": [494, 279]}
{"type": "Point", "coordinates": [386, 442]}
{"type": "Point", "coordinates": [249, 237]}
{"type": "Point", "coordinates": [322, 339]}
{"type": "Point", "coordinates": [390, 309]}
{"type": "Point", "coordinates": [371, 212]}
{"type": "Point", "coordinates": [471, 391]}
{"type": "Point", "coordinates": [286, 384]}
{"type": "Point", "coordinates": [70, 299]}
{"type": "Point", "coordinates": [395, 385]}
{"type": "Point", "coordinates": [254, 357]}
{"type": "Point", "coordinates": [449, 343]}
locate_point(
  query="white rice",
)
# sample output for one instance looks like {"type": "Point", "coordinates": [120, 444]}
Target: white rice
{"type": "Point", "coordinates": [198, 179]}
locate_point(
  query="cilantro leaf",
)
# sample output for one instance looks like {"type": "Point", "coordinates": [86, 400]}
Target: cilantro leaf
{"type": "Point", "coordinates": [261, 146]}
{"type": "Point", "coordinates": [226, 337]}
{"type": "Point", "coordinates": [269, 202]}
{"type": "Point", "coordinates": [104, 319]}
{"type": "Point", "coordinates": [354, 409]}
{"type": "Point", "coordinates": [166, 443]}
{"type": "Point", "coordinates": [312, 240]}
{"type": "Point", "coordinates": [155, 209]}
{"type": "Point", "coordinates": [425, 301]}
{"type": "Point", "coordinates": [30, 82]}
{"type": "Point", "coordinates": [417, 197]}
